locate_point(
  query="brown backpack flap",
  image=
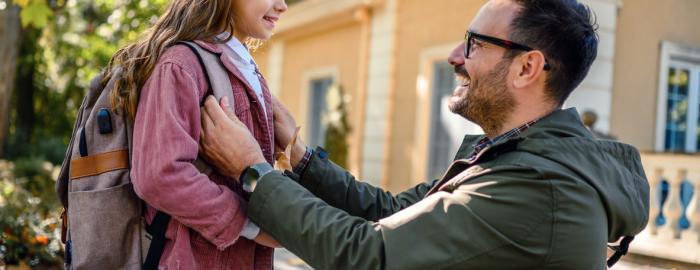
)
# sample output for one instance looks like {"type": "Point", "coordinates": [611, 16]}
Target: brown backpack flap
{"type": "Point", "coordinates": [102, 207]}
{"type": "Point", "coordinates": [62, 182]}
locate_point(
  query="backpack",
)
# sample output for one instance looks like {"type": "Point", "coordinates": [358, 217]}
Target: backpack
{"type": "Point", "coordinates": [103, 223]}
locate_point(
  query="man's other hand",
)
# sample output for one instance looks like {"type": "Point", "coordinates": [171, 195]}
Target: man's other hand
{"type": "Point", "coordinates": [285, 128]}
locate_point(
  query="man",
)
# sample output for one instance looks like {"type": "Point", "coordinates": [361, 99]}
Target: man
{"type": "Point", "coordinates": [536, 192]}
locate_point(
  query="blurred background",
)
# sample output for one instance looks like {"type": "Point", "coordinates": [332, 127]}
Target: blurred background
{"type": "Point", "coordinates": [369, 81]}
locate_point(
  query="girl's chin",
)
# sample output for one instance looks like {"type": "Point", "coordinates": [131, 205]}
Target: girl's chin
{"type": "Point", "coordinates": [262, 35]}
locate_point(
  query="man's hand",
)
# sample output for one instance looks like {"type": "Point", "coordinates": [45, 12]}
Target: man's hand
{"type": "Point", "coordinates": [225, 141]}
{"type": "Point", "coordinates": [285, 128]}
{"type": "Point", "coordinates": [266, 240]}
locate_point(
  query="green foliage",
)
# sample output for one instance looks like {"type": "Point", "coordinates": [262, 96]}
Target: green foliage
{"type": "Point", "coordinates": [338, 130]}
{"type": "Point", "coordinates": [35, 12]}
{"type": "Point", "coordinates": [30, 219]}
{"type": "Point", "coordinates": [72, 48]}
{"type": "Point", "coordinates": [65, 43]}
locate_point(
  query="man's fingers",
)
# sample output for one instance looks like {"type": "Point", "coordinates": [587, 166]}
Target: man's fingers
{"type": "Point", "coordinates": [227, 109]}
{"type": "Point", "coordinates": [207, 123]}
{"type": "Point", "coordinates": [274, 99]}
{"type": "Point", "coordinates": [215, 111]}
{"type": "Point", "coordinates": [277, 107]}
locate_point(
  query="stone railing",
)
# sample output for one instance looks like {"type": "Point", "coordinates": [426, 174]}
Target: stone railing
{"type": "Point", "coordinates": [673, 232]}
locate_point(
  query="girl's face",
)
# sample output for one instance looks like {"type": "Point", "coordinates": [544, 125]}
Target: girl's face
{"type": "Point", "coordinates": [256, 18]}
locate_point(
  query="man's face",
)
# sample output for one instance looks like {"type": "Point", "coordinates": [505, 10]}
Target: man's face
{"type": "Point", "coordinates": [483, 95]}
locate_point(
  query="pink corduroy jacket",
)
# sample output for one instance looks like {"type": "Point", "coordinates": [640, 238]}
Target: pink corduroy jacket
{"type": "Point", "coordinates": [208, 212]}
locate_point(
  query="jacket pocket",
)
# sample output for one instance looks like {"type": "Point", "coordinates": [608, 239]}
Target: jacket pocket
{"type": "Point", "coordinates": [105, 228]}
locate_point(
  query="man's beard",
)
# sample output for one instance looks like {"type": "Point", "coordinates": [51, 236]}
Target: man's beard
{"type": "Point", "coordinates": [487, 102]}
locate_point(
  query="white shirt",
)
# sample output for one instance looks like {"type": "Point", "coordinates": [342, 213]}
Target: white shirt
{"type": "Point", "coordinates": [246, 65]}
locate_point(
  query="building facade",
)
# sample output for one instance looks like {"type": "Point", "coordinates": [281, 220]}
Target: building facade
{"type": "Point", "coordinates": [389, 57]}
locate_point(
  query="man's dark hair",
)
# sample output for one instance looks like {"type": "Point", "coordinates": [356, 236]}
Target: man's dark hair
{"type": "Point", "coordinates": [565, 32]}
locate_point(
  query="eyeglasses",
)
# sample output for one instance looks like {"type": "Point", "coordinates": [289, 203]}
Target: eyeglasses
{"type": "Point", "coordinates": [469, 41]}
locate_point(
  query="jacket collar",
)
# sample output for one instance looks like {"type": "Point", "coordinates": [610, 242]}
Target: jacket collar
{"type": "Point", "coordinates": [563, 122]}
{"type": "Point", "coordinates": [218, 50]}
{"type": "Point", "coordinates": [211, 47]}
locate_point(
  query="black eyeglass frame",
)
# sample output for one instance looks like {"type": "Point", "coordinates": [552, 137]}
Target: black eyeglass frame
{"type": "Point", "coordinates": [470, 35]}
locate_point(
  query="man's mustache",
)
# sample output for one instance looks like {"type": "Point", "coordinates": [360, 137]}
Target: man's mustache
{"type": "Point", "coordinates": [461, 71]}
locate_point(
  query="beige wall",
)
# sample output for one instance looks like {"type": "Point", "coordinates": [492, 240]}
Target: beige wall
{"type": "Point", "coordinates": [260, 55]}
{"type": "Point", "coordinates": [635, 71]}
{"type": "Point", "coordinates": [642, 25]}
{"type": "Point", "coordinates": [340, 47]}
{"type": "Point", "coordinates": [335, 51]}
{"type": "Point", "coordinates": [448, 22]}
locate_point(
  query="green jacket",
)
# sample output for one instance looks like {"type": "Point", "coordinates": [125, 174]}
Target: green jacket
{"type": "Point", "coordinates": [549, 199]}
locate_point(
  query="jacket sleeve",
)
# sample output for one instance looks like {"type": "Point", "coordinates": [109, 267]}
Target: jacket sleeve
{"type": "Point", "coordinates": [340, 189]}
{"type": "Point", "coordinates": [487, 224]}
{"type": "Point", "coordinates": [166, 135]}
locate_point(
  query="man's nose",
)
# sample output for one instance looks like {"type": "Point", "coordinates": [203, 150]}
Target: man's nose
{"type": "Point", "coordinates": [456, 57]}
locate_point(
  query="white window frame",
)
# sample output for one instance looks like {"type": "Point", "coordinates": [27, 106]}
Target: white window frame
{"type": "Point", "coordinates": [681, 56]}
{"type": "Point", "coordinates": [424, 83]}
{"type": "Point", "coordinates": [308, 77]}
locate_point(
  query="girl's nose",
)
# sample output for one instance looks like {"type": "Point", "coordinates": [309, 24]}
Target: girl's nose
{"type": "Point", "coordinates": [280, 6]}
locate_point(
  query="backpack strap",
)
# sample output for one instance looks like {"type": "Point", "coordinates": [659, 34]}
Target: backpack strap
{"type": "Point", "coordinates": [219, 86]}
{"type": "Point", "coordinates": [157, 230]}
{"type": "Point", "coordinates": [217, 76]}
{"type": "Point", "coordinates": [619, 250]}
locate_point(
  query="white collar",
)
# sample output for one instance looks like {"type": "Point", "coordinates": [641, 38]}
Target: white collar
{"type": "Point", "coordinates": [241, 50]}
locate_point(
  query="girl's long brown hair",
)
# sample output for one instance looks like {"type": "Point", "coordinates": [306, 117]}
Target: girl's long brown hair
{"type": "Point", "coordinates": [183, 20]}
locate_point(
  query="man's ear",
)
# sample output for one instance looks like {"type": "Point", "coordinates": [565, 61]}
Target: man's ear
{"type": "Point", "coordinates": [530, 68]}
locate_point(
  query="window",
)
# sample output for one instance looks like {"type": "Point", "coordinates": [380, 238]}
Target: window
{"type": "Point", "coordinates": [318, 108]}
{"type": "Point", "coordinates": [682, 109]}
{"type": "Point", "coordinates": [679, 95]}
{"type": "Point", "coordinates": [446, 128]}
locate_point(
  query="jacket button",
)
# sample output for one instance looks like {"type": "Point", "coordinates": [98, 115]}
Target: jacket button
{"type": "Point", "coordinates": [323, 154]}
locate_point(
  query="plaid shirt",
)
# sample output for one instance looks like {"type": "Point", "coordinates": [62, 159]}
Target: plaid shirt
{"type": "Point", "coordinates": [485, 142]}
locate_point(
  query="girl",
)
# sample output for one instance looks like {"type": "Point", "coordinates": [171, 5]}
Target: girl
{"type": "Point", "coordinates": [209, 228]}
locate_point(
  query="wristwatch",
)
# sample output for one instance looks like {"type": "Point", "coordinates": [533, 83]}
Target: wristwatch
{"type": "Point", "coordinates": [252, 174]}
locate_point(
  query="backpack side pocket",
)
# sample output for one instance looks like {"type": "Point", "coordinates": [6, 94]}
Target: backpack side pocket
{"type": "Point", "coordinates": [109, 218]}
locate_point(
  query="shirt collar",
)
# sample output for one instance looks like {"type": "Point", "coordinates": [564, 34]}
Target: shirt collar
{"type": "Point", "coordinates": [241, 50]}
{"type": "Point", "coordinates": [485, 142]}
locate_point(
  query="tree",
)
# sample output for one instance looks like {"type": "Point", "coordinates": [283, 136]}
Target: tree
{"type": "Point", "coordinates": [33, 15]}
{"type": "Point", "coordinates": [10, 33]}
{"type": "Point", "coordinates": [62, 45]}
